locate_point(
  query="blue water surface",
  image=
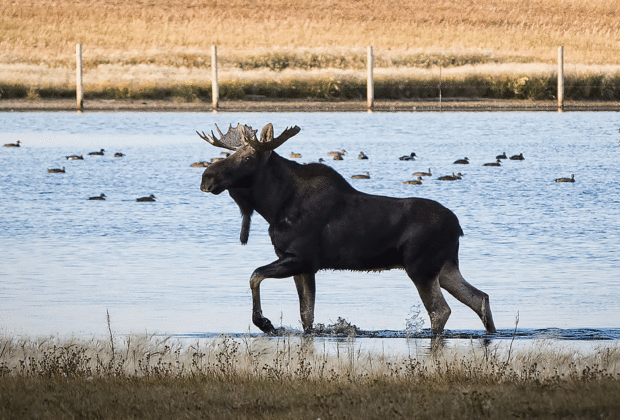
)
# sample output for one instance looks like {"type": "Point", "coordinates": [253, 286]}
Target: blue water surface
{"type": "Point", "coordinates": [546, 252]}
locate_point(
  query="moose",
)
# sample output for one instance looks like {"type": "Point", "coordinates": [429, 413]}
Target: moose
{"type": "Point", "coordinates": [318, 221]}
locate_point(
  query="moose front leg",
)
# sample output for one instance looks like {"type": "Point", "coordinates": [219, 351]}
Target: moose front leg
{"type": "Point", "coordinates": [284, 267]}
{"type": "Point", "coordinates": [306, 289]}
{"type": "Point", "coordinates": [257, 313]}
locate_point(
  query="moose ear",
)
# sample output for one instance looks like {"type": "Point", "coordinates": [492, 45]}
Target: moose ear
{"type": "Point", "coordinates": [267, 134]}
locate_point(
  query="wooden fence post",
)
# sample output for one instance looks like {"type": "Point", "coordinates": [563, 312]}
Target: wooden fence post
{"type": "Point", "coordinates": [440, 104]}
{"type": "Point", "coordinates": [214, 82]}
{"type": "Point", "coordinates": [370, 83]}
{"type": "Point", "coordinates": [79, 77]}
{"type": "Point", "coordinates": [560, 78]}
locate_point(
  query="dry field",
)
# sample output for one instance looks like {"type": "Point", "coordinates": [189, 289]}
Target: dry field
{"type": "Point", "coordinates": [46, 31]}
{"type": "Point", "coordinates": [295, 377]}
{"type": "Point", "coordinates": [134, 49]}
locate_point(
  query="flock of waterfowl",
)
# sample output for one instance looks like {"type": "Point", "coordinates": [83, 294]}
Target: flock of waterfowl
{"type": "Point", "coordinates": [62, 170]}
{"type": "Point", "coordinates": [339, 155]}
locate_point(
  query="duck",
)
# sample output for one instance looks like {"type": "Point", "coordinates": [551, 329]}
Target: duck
{"type": "Point", "coordinates": [201, 164]}
{"type": "Point", "coordinates": [423, 173]}
{"type": "Point", "coordinates": [571, 179]}
{"type": "Point", "coordinates": [16, 144]}
{"type": "Point", "coordinates": [99, 153]}
{"type": "Point", "coordinates": [321, 160]}
{"type": "Point", "coordinates": [342, 152]}
{"type": "Point", "coordinates": [99, 197]}
{"type": "Point", "coordinates": [414, 182]}
{"type": "Point", "coordinates": [517, 157]}
{"type": "Point", "coordinates": [56, 170]}
{"type": "Point", "coordinates": [464, 161]}
{"type": "Point", "coordinates": [365, 176]}
{"type": "Point", "coordinates": [362, 155]}
{"type": "Point", "coordinates": [338, 156]}
{"type": "Point", "coordinates": [450, 177]}
{"type": "Point", "coordinates": [411, 156]}
{"type": "Point", "coordinates": [75, 157]}
{"type": "Point", "coordinates": [502, 156]}
{"type": "Point", "coordinates": [118, 154]}
{"type": "Point", "coordinates": [496, 163]}
{"type": "Point", "coordinates": [295, 155]}
{"type": "Point", "coordinates": [144, 199]}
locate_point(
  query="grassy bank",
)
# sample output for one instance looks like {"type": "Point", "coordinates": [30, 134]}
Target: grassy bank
{"type": "Point", "coordinates": [295, 377]}
{"type": "Point", "coordinates": [309, 49]}
{"type": "Point", "coordinates": [339, 87]}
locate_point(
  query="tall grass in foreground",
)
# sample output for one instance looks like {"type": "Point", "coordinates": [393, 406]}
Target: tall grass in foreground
{"type": "Point", "coordinates": [296, 357]}
{"type": "Point", "coordinates": [292, 377]}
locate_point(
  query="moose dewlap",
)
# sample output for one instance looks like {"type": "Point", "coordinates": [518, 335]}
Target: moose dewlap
{"type": "Point", "coordinates": [318, 221]}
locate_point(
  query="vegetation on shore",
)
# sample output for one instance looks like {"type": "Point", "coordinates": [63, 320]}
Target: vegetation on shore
{"type": "Point", "coordinates": [292, 377]}
{"type": "Point", "coordinates": [318, 52]}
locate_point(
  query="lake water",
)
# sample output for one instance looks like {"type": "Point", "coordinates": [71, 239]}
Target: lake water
{"type": "Point", "coordinates": [546, 252]}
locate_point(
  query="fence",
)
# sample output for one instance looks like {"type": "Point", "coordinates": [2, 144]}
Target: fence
{"type": "Point", "coordinates": [370, 82]}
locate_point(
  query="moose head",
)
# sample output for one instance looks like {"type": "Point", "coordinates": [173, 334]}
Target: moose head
{"type": "Point", "coordinates": [249, 155]}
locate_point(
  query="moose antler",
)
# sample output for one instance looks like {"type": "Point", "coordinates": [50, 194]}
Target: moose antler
{"type": "Point", "coordinates": [232, 140]}
{"type": "Point", "coordinates": [267, 142]}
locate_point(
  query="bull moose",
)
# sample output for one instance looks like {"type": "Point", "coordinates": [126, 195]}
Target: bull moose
{"type": "Point", "coordinates": [318, 221]}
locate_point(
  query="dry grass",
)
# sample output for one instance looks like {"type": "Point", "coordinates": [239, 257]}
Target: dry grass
{"type": "Point", "coordinates": [309, 49]}
{"type": "Point", "coordinates": [47, 30]}
{"type": "Point", "coordinates": [295, 377]}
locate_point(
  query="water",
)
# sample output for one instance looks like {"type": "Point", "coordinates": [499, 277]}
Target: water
{"type": "Point", "coordinates": [544, 251]}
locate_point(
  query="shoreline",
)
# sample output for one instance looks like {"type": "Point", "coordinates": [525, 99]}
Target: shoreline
{"type": "Point", "coordinates": [264, 105]}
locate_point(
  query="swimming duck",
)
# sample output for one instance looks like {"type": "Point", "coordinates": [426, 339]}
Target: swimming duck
{"type": "Point", "coordinates": [75, 157]}
{"type": "Point", "coordinates": [118, 154]}
{"type": "Point", "coordinates": [16, 144]}
{"type": "Point", "coordinates": [56, 170]}
{"type": "Point", "coordinates": [366, 176]}
{"type": "Point", "coordinates": [412, 156]}
{"type": "Point", "coordinates": [338, 156]}
{"type": "Point", "coordinates": [517, 157]}
{"type": "Point", "coordinates": [201, 164]}
{"type": "Point", "coordinates": [414, 182]}
{"type": "Point", "coordinates": [423, 173]}
{"type": "Point", "coordinates": [571, 179]}
{"type": "Point", "coordinates": [295, 155]}
{"type": "Point", "coordinates": [502, 156]}
{"type": "Point", "coordinates": [99, 197]}
{"type": "Point", "coordinates": [342, 152]}
{"type": "Point", "coordinates": [321, 160]}
{"type": "Point", "coordinates": [99, 153]}
{"type": "Point", "coordinates": [450, 177]}
{"type": "Point", "coordinates": [143, 199]}
{"type": "Point", "coordinates": [362, 155]}
{"type": "Point", "coordinates": [496, 163]}
{"type": "Point", "coordinates": [464, 161]}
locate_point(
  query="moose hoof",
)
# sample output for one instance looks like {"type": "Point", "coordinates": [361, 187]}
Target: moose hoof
{"type": "Point", "coordinates": [264, 324]}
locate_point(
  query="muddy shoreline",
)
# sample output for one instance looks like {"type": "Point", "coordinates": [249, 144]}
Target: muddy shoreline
{"type": "Point", "coordinates": [263, 105]}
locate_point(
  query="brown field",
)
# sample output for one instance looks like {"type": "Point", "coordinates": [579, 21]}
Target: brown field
{"type": "Point", "coordinates": [295, 377]}
{"type": "Point", "coordinates": [158, 49]}
{"type": "Point", "coordinates": [46, 31]}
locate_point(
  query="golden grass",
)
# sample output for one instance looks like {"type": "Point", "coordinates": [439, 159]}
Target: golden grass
{"type": "Point", "coordinates": [296, 377]}
{"type": "Point", "coordinates": [46, 31]}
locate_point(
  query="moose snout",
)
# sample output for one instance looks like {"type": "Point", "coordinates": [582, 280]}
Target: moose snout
{"type": "Point", "coordinates": [209, 185]}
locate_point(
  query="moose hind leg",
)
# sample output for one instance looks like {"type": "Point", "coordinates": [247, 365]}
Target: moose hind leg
{"type": "Point", "coordinates": [306, 289]}
{"type": "Point", "coordinates": [450, 278]}
{"type": "Point", "coordinates": [433, 300]}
